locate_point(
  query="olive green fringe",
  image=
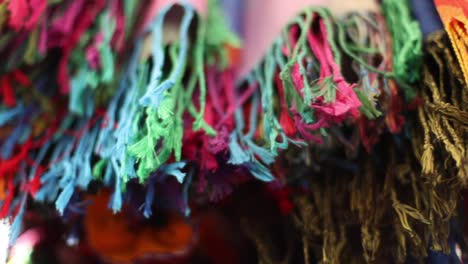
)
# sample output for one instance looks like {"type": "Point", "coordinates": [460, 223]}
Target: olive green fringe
{"type": "Point", "coordinates": [398, 201]}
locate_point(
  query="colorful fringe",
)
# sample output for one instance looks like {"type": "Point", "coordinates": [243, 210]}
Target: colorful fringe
{"type": "Point", "coordinates": [331, 97]}
{"type": "Point", "coordinates": [390, 205]}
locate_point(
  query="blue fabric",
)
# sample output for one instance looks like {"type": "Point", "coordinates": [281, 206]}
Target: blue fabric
{"type": "Point", "coordinates": [426, 14]}
{"type": "Point", "coordinates": [441, 258]}
{"type": "Point", "coordinates": [234, 12]}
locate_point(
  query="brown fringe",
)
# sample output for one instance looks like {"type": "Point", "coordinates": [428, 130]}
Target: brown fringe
{"type": "Point", "coordinates": [398, 201]}
{"type": "Point", "coordinates": [444, 115]}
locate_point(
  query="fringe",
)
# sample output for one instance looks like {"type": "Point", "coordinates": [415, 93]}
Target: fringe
{"type": "Point", "coordinates": [398, 201]}
{"type": "Point", "coordinates": [333, 85]}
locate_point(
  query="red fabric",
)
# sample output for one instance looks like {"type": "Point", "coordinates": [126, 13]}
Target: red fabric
{"type": "Point", "coordinates": [286, 121]}
{"type": "Point", "coordinates": [84, 20]}
{"type": "Point", "coordinates": [19, 12]}
{"type": "Point", "coordinates": [394, 117]}
{"type": "Point", "coordinates": [25, 14]}
{"type": "Point", "coordinates": [346, 102]}
{"type": "Point", "coordinates": [7, 92]}
{"type": "Point", "coordinates": [37, 8]}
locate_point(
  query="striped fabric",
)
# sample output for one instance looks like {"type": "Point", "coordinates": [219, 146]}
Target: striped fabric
{"type": "Point", "coordinates": [454, 15]}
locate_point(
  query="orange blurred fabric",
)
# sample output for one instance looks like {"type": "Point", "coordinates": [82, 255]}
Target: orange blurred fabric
{"type": "Point", "coordinates": [454, 15]}
{"type": "Point", "coordinates": [116, 238]}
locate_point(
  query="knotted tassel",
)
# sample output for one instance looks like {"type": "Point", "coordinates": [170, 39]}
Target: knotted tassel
{"type": "Point", "coordinates": [442, 118]}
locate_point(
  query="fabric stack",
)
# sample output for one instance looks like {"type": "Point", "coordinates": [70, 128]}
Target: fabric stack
{"type": "Point", "coordinates": [125, 120]}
